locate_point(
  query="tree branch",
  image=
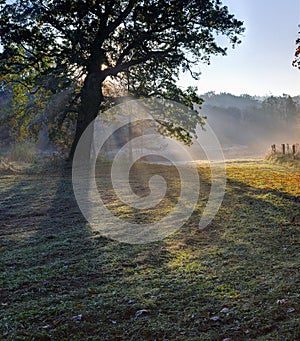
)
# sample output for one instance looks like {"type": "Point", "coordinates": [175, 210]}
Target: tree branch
{"type": "Point", "coordinates": [113, 71]}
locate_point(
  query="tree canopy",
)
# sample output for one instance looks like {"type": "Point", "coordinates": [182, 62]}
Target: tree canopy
{"type": "Point", "coordinates": [141, 46]}
{"type": "Point", "coordinates": [296, 61]}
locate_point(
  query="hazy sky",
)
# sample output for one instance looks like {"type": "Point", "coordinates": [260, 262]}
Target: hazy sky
{"type": "Point", "coordinates": [261, 65]}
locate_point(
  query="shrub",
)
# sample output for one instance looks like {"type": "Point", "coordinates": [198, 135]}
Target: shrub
{"type": "Point", "coordinates": [24, 152]}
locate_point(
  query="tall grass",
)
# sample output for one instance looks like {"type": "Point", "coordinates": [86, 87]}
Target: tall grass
{"type": "Point", "coordinates": [23, 152]}
{"type": "Point", "coordinates": [284, 159]}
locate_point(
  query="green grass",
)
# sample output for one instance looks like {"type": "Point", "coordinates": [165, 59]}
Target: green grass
{"type": "Point", "coordinates": [61, 281]}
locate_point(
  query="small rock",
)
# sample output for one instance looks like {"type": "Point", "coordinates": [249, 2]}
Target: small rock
{"type": "Point", "coordinates": [77, 318]}
{"type": "Point", "coordinates": [215, 318]}
{"type": "Point", "coordinates": [141, 312]}
{"type": "Point", "coordinates": [281, 301]}
{"type": "Point", "coordinates": [224, 310]}
{"type": "Point", "coordinates": [290, 310]}
{"type": "Point", "coordinates": [47, 326]}
{"type": "Point", "coordinates": [227, 339]}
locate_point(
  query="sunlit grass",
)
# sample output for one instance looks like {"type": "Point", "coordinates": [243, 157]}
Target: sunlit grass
{"type": "Point", "coordinates": [236, 279]}
{"type": "Point", "coordinates": [266, 176]}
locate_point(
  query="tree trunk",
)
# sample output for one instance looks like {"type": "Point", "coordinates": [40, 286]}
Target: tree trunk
{"type": "Point", "coordinates": [91, 98]}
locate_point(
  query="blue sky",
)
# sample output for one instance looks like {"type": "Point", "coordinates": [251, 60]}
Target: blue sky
{"type": "Point", "coordinates": [261, 65]}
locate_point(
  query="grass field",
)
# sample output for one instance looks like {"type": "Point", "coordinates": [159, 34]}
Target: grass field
{"type": "Point", "coordinates": [236, 280]}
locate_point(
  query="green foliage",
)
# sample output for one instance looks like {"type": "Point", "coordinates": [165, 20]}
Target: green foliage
{"type": "Point", "coordinates": [31, 92]}
{"type": "Point", "coordinates": [142, 45]}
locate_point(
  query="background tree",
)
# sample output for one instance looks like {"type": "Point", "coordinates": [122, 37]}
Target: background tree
{"type": "Point", "coordinates": [296, 61]}
{"type": "Point", "coordinates": [88, 42]}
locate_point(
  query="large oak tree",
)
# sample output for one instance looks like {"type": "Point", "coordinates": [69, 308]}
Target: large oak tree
{"type": "Point", "coordinates": [143, 43]}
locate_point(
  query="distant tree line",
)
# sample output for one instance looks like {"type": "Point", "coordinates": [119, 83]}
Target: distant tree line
{"type": "Point", "coordinates": [253, 121]}
{"type": "Point", "coordinates": [273, 110]}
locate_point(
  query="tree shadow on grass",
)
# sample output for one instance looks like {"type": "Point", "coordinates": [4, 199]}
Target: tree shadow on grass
{"type": "Point", "coordinates": [64, 281]}
{"type": "Point", "coordinates": [50, 259]}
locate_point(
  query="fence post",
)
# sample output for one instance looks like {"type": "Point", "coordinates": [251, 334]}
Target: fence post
{"type": "Point", "coordinates": [273, 147]}
{"type": "Point", "coordinates": [283, 148]}
{"type": "Point", "coordinates": [294, 149]}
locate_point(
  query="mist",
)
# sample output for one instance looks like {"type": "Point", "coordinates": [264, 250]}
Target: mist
{"type": "Point", "coordinates": [247, 126]}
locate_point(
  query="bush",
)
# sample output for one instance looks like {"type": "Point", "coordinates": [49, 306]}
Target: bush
{"type": "Point", "coordinates": [24, 152]}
